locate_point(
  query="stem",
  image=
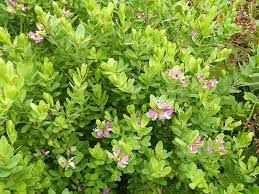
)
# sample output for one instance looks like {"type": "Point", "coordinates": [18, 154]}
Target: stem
{"type": "Point", "coordinates": [251, 112]}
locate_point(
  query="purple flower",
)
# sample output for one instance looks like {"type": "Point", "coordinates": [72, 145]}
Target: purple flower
{"type": "Point", "coordinates": [201, 77]}
{"type": "Point", "coordinates": [198, 140]}
{"type": "Point", "coordinates": [31, 34]}
{"type": "Point", "coordinates": [105, 190]}
{"type": "Point", "coordinates": [23, 7]}
{"type": "Point", "coordinates": [101, 132]}
{"type": "Point", "coordinates": [175, 74]}
{"type": "Point", "coordinates": [108, 125]}
{"type": "Point", "coordinates": [107, 128]}
{"type": "Point", "coordinates": [193, 148]}
{"type": "Point", "coordinates": [138, 14]}
{"type": "Point", "coordinates": [38, 39]}
{"type": "Point", "coordinates": [43, 151]}
{"type": "Point", "coordinates": [11, 2]}
{"type": "Point", "coordinates": [210, 83]}
{"type": "Point", "coordinates": [222, 147]}
{"type": "Point", "coordinates": [164, 111]}
{"type": "Point", "coordinates": [209, 149]}
{"type": "Point", "coordinates": [117, 152]}
{"type": "Point", "coordinates": [139, 122]}
{"type": "Point", "coordinates": [152, 114]}
{"type": "Point", "coordinates": [194, 33]}
{"type": "Point", "coordinates": [123, 161]}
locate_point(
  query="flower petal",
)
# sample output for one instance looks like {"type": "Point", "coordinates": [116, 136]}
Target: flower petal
{"type": "Point", "coordinates": [193, 148]}
{"type": "Point", "coordinates": [99, 134]}
{"type": "Point", "coordinates": [152, 113]}
{"type": "Point", "coordinates": [108, 125]}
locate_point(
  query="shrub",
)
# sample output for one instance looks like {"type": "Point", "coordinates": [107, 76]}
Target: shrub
{"type": "Point", "coordinates": [123, 97]}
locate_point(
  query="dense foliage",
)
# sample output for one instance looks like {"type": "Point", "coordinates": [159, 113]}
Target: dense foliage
{"type": "Point", "coordinates": [138, 96]}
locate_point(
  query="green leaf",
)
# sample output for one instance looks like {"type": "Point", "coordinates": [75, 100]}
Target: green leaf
{"type": "Point", "coordinates": [4, 36]}
{"type": "Point", "coordinates": [14, 161]}
{"type": "Point", "coordinates": [11, 132]}
{"type": "Point", "coordinates": [154, 164]}
{"type": "Point", "coordinates": [10, 91]}
{"type": "Point", "coordinates": [145, 141]}
{"type": "Point", "coordinates": [65, 191]}
{"type": "Point", "coordinates": [68, 172]}
{"type": "Point", "coordinates": [48, 98]}
{"type": "Point", "coordinates": [243, 140]}
{"type": "Point", "coordinates": [80, 31]}
{"type": "Point", "coordinates": [251, 97]}
{"type": "Point", "coordinates": [252, 161]}
{"type": "Point", "coordinates": [166, 171]}
{"type": "Point", "coordinates": [122, 12]}
{"type": "Point", "coordinates": [6, 150]}
{"type": "Point", "coordinates": [4, 173]}
{"type": "Point", "coordinates": [159, 148]}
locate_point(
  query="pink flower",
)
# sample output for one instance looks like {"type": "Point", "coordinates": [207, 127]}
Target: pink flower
{"type": "Point", "coordinates": [99, 132]}
{"type": "Point", "coordinates": [193, 148]}
{"type": "Point", "coordinates": [117, 152]}
{"type": "Point", "coordinates": [105, 190]}
{"type": "Point", "coordinates": [194, 33]}
{"type": "Point", "coordinates": [38, 39]}
{"type": "Point", "coordinates": [108, 125]}
{"type": "Point", "coordinates": [123, 161]}
{"type": "Point", "coordinates": [43, 151]}
{"type": "Point", "coordinates": [152, 113]}
{"type": "Point", "coordinates": [209, 149]}
{"type": "Point", "coordinates": [175, 74]}
{"type": "Point", "coordinates": [23, 7]}
{"type": "Point", "coordinates": [103, 132]}
{"type": "Point", "coordinates": [201, 77]}
{"type": "Point", "coordinates": [164, 111]}
{"type": "Point", "coordinates": [31, 34]}
{"type": "Point", "coordinates": [222, 147]}
{"type": "Point", "coordinates": [107, 128]}
{"type": "Point", "coordinates": [210, 83]}
{"type": "Point", "coordinates": [138, 14]}
{"type": "Point", "coordinates": [198, 140]}
{"type": "Point", "coordinates": [139, 122]}
{"type": "Point", "coordinates": [11, 2]}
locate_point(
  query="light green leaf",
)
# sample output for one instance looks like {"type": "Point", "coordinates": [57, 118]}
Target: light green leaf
{"type": "Point", "coordinates": [251, 97]}
{"type": "Point", "coordinates": [11, 132]}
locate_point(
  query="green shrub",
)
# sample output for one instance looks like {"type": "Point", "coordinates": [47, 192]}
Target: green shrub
{"type": "Point", "coordinates": [123, 97]}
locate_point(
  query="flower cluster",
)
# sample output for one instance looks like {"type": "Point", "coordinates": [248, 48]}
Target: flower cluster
{"type": "Point", "coordinates": [210, 83]}
{"type": "Point", "coordinates": [178, 75]}
{"type": "Point", "coordinates": [207, 83]}
{"type": "Point", "coordinates": [123, 161]}
{"type": "Point", "coordinates": [196, 144]}
{"type": "Point", "coordinates": [37, 36]}
{"type": "Point", "coordinates": [199, 143]}
{"type": "Point", "coordinates": [162, 111]}
{"type": "Point", "coordinates": [21, 5]}
{"type": "Point", "coordinates": [100, 132]}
